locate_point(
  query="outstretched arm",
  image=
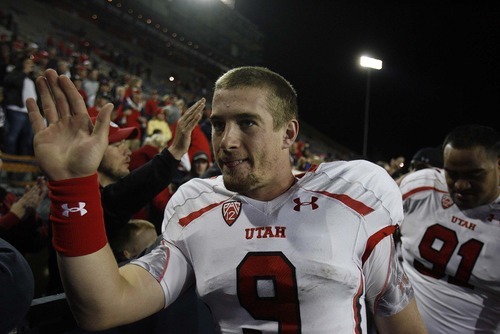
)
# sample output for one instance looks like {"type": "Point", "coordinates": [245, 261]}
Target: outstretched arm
{"type": "Point", "coordinates": [69, 149]}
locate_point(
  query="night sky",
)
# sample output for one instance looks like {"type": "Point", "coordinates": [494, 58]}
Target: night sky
{"type": "Point", "coordinates": [441, 67]}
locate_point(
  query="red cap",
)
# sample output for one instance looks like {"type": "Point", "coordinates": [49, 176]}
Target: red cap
{"type": "Point", "coordinates": [158, 110]}
{"type": "Point", "coordinates": [117, 134]}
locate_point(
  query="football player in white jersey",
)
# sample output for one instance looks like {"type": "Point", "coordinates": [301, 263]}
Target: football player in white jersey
{"type": "Point", "coordinates": [451, 234]}
{"type": "Point", "coordinates": [268, 252]}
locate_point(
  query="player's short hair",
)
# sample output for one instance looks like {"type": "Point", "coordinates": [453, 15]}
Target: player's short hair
{"type": "Point", "coordinates": [473, 135]}
{"type": "Point", "coordinates": [281, 99]}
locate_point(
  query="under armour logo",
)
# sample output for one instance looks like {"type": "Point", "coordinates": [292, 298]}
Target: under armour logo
{"type": "Point", "coordinates": [495, 215]}
{"type": "Point", "coordinates": [312, 203]}
{"type": "Point", "coordinates": [80, 208]}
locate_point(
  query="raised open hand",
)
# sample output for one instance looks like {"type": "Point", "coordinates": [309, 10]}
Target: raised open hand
{"type": "Point", "coordinates": [184, 128]}
{"type": "Point", "coordinates": [66, 143]}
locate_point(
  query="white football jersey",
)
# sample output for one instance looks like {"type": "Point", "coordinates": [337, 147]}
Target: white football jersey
{"type": "Point", "coordinates": [302, 263]}
{"type": "Point", "coordinates": [450, 256]}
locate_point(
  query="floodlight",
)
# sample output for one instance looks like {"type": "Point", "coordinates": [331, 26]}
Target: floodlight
{"type": "Point", "coordinates": [370, 62]}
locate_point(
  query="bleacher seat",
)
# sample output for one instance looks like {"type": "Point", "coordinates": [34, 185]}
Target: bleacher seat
{"type": "Point", "coordinates": [18, 170]}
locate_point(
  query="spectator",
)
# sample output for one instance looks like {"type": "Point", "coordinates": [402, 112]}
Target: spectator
{"type": "Point", "coordinates": [119, 95]}
{"type": "Point", "coordinates": [77, 81]}
{"type": "Point", "coordinates": [20, 224]}
{"type": "Point", "coordinates": [199, 165]}
{"type": "Point", "coordinates": [152, 146]}
{"type": "Point", "coordinates": [52, 59]}
{"type": "Point", "coordinates": [18, 86]}
{"type": "Point", "coordinates": [294, 153]}
{"type": "Point", "coordinates": [129, 114]}
{"type": "Point", "coordinates": [63, 68]}
{"type": "Point", "coordinates": [166, 100]}
{"type": "Point", "coordinates": [115, 161]}
{"type": "Point", "coordinates": [450, 234]}
{"type": "Point", "coordinates": [152, 104]}
{"type": "Point", "coordinates": [306, 150]}
{"type": "Point", "coordinates": [24, 223]}
{"type": "Point", "coordinates": [105, 85]}
{"type": "Point", "coordinates": [181, 105]}
{"type": "Point", "coordinates": [134, 84]}
{"type": "Point", "coordinates": [41, 60]}
{"type": "Point", "coordinates": [82, 72]}
{"type": "Point", "coordinates": [158, 124]}
{"type": "Point", "coordinates": [304, 163]}
{"type": "Point", "coordinates": [173, 113]}
{"type": "Point", "coordinates": [90, 84]}
{"type": "Point", "coordinates": [101, 100]}
{"type": "Point", "coordinates": [253, 241]}
{"type": "Point", "coordinates": [13, 210]}
{"type": "Point", "coordinates": [122, 192]}
{"type": "Point", "coordinates": [396, 167]}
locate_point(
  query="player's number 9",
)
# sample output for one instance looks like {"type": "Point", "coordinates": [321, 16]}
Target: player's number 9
{"type": "Point", "coordinates": [267, 289]}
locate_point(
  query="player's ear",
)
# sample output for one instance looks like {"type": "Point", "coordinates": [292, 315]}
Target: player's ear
{"type": "Point", "coordinates": [291, 133]}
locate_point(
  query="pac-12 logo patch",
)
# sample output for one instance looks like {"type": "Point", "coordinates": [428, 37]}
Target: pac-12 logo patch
{"type": "Point", "coordinates": [446, 201]}
{"type": "Point", "coordinates": [231, 211]}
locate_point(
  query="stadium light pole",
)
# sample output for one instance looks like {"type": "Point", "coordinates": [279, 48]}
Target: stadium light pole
{"type": "Point", "coordinates": [369, 64]}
